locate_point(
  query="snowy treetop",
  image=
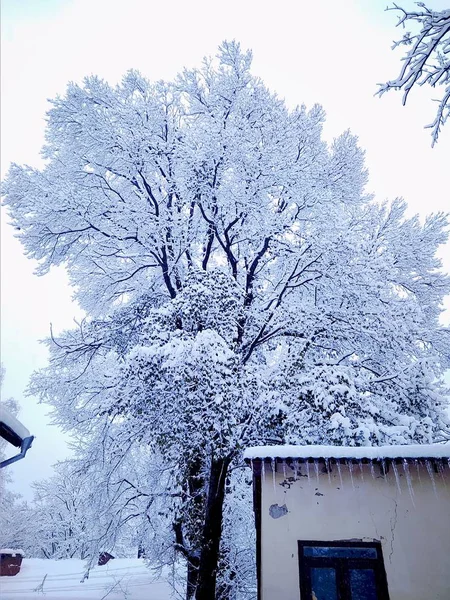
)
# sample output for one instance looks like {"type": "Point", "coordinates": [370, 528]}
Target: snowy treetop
{"type": "Point", "coordinates": [239, 281]}
{"type": "Point", "coordinates": [370, 452]}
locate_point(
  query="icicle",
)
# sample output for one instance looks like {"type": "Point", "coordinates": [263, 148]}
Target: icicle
{"type": "Point", "coordinates": [372, 469]}
{"type": "Point", "coordinates": [440, 467]}
{"type": "Point", "coordinates": [417, 463]}
{"type": "Point", "coordinates": [263, 471]}
{"type": "Point", "coordinates": [328, 468]}
{"type": "Point", "coordinates": [274, 478]}
{"type": "Point", "coordinates": [307, 469]}
{"type": "Point", "coordinates": [284, 469]}
{"type": "Point", "coordinates": [431, 474]}
{"type": "Point", "coordinates": [384, 468]}
{"type": "Point", "coordinates": [338, 464]}
{"type": "Point", "coordinates": [316, 469]}
{"type": "Point", "coordinates": [350, 470]}
{"type": "Point", "coordinates": [397, 478]}
{"type": "Point", "coordinates": [408, 480]}
{"type": "Point", "coordinates": [361, 469]}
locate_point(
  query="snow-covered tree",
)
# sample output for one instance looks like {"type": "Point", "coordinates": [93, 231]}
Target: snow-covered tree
{"type": "Point", "coordinates": [427, 60]}
{"type": "Point", "coordinates": [14, 521]}
{"type": "Point", "coordinates": [240, 287]}
{"type": "Point", "coordinates": [59, 517]}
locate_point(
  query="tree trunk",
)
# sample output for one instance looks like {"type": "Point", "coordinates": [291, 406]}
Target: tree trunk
{"type": "Point", "coordinates": [212, 530]}
{"type": "Point", "coordinates": [192, 577]}
{"type": "Point", "coordinates": [187, 532]}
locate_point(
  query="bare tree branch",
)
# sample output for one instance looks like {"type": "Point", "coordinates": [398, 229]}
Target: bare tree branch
{"type": "Point", "coordinates": [427, 60]}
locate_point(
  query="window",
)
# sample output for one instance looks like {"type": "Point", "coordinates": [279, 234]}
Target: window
{"type": "Point", "coordinates": [342, 571]}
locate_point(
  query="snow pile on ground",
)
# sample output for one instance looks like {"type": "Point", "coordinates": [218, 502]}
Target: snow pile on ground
{"type": "Point", "coordinates": [121, 578]}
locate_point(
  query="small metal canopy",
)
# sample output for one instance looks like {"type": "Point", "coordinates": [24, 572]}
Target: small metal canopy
{"type": "Point", "coordinates": [15, 433]}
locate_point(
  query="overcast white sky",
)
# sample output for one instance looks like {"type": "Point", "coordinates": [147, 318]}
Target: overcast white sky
{"type": "Point", "coordinates": [329, 52]}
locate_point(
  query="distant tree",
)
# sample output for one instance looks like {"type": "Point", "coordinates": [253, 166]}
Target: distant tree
{"type": "Point", "coordinates": [14, 520]}
{"type": "Point", "coordinates": [427, 60]}
{"type": "Point", "coordinates": [60, 526]}
{"type": "Point", "coordinates": [240, 286]}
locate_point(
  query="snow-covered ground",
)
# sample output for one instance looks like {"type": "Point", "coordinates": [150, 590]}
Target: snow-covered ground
{"type": "Point", "coordinates": [121, 578]}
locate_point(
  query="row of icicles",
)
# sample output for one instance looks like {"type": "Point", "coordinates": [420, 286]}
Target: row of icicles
{"type": "Point", "coordinates": [293, 470]}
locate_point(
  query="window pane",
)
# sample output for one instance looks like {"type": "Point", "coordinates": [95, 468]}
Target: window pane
{"type": "Point", "coordinates": [323, 584]}
{"type": "Point", "coordinates": [362, 584]}
{"type": "Point", "coordinates": [339, 552]}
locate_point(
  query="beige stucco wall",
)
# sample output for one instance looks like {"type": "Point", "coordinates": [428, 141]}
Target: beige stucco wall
{"type": "Point", "coordinates": [415, 537]}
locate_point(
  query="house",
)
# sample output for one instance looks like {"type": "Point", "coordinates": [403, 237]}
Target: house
{"type": "Point", "coordinates": [103, 558]}
{"type": "Point", "coordinates": [10, 561]}
{"type": "Point", "coordinates": [344, 523]}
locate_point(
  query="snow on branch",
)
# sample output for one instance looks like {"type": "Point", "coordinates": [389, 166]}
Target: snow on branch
{"type": "Point", "coordinates": [427, 60]}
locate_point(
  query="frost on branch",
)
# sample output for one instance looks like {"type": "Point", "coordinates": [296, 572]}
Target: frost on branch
{"type": "Point", "coordinates": [427, 60]}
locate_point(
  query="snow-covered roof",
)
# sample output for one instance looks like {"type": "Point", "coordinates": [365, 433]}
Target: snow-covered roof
{"type": "Point", "coordinates": [12, 423]}
{"type": "Point", "coordinates": [13, 551]}
{"type": "Point", "coordinates": [361, 452]}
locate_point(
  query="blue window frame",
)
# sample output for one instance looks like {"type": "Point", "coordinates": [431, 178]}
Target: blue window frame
{"type": "Point", "coordinates": [342, 571]}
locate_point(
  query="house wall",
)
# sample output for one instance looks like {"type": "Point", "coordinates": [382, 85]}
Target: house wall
{"type": "Point", "coordinates": [413, 527]}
